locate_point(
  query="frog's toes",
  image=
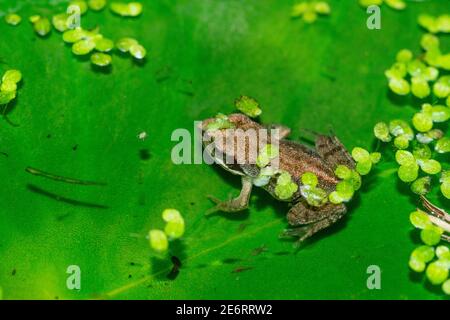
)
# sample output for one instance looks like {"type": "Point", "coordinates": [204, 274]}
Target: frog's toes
{"type": "Point", "coordinates": [214, 199]}
{"type": "Point", "coordinates": [293, 232]}
{"type": "Point", "coordinates": [301, 233]}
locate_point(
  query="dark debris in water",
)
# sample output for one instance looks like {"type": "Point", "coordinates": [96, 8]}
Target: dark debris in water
{"type": "Point", "coordinates": [241, 269]}
{"type": "Point", "coordinates": [144, 154]}
{"type": "Point", "coordinates": [175, 269]}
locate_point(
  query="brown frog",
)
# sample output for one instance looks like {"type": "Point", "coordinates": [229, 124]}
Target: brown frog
{"type": "Point", "coordinates": [294, 158]}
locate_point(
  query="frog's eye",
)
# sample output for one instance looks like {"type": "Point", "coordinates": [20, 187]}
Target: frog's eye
{"type": "Point", "coordinates": [250, 170]}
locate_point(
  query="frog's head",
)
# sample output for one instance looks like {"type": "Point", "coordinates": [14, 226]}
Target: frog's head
{"type": "Point", "coordinates": [232, 141]}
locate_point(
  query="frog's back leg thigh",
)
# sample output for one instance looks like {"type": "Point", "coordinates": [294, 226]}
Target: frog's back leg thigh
{"type": "Point", "coordinates": [312, 220]}
{"type": "Point", "coordinates": [302, 213]}
{"type": "Point", "coordinates": [333, 152]}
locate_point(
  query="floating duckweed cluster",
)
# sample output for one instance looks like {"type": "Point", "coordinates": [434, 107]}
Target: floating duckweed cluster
{"type": "Point", "coordinates": [394, 4]}
{"type": "Point", "coordinates": [351, 178]}
{"type": "Point", "coordinates": [265, 156]}
{"type": "Point", "coordinates": [435, 24]}
{"type": "Point", "coordinates": [174, 229]}
{"type": "Point", "coordinates": [309, 189]}
{"type": "Point", "coordinates": [424, 77]}
{"type": "Point", "coordinates": [431, 257]}
{"type": "Point", "coordinates": [248, 106]}
{"type": "Point", "coordinates": [309, 11]}
{"type": "Point", "coordinates": [285, 187]}
{"type": "Point", "coordinates": [8, 86]}
{"type": "Point", "coordinates": [420, 154]}
{"type": "Point", "coordinates": [409, 166]}
{"type": "Point", "coordinates": [13, 19]}
{"type": "Point", "coordinates": [420, 76]}
{"type": "Point", "coordinates": [131, 9]}
{"type": "Point", "coordinates": [364, 160]}
{"type": "Point", "coordinates": [83, 41]}
{"type": "Point", "coordinates": [345, 189]}
{"type": "Point", "coordinates": [132, 46]}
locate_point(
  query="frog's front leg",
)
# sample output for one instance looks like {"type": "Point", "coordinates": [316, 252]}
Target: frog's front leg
{"type": "Point", "coordinates": [312, 220]}
{"type": "Point", "coordinates": [236, 204]}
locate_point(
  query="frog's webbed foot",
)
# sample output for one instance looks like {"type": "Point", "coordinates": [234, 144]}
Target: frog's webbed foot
{"type": "Point", "coordinates": [236, 204]}
{"type": "Point", "coordinates": [333, 152]}
{"type": "Point", "coordinates": [308, 220]}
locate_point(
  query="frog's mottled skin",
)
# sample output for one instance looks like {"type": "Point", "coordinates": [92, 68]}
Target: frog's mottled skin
{"type": "Point", "coordinates": [296, 159]}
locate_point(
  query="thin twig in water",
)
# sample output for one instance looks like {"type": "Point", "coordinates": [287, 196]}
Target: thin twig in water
{"type": "Point", "coordinates": [41, 173]}
{"type": "Point", "coordinates": [57, 197]}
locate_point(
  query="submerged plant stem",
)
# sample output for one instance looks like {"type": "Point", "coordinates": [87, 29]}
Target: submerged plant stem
{"type": "Point", "coordinates": [41, 173]}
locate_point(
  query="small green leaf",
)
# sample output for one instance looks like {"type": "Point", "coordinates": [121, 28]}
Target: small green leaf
{"type": "Point", "coordinates": [408, 173]}
{"type": "Point", "coordinates": [431, 235]}
{"type": "Point", "coordinates": [430, 166]}
{"type": "Point", "coordinates": [131, 9]}
{"type": "Point", "coordinates": [404, 55]}
{"type": "Point", "coordinates": [399, 86]}
{"type": "Point", "coordinates": [381, 132]}
{"type": "Point", "coordinates": [13, 19]}
{"type": "Point", "coordinates": [12, 75]}
{"type": "Point", "coordinates": [96, 5]}
{"type": "Point", "coordinates": [83, 47]}
{"type": "Point", "coordinates": [138, 51]}
{"type": "Point", "coordinates": [42, 27]}
{"type": "Point", "coordinates": [125, 44]}
{"type": "Point", "coordinates": [248, 106]}
{"type": "Point", "coordinates": [404, 157]}
{"type": "Point", "coordinates": [421, 186]}
{"type": "Point", "coordinates": [104, 44]}
{"type": "Point", "coordinates": [101, 59]}
{"type": "Point", "coordinates": [420, 219]}
{"type": "Point", "coordinates": [360, 154]}
{"type": "Point", "coordinates": [343, 172]}
{"type": "Point", "coordinates": [422, 122]}
{"type": "Point", "coordinates": [442, 145]}
{"type": "Point", "coordinates": [6, 97]}
{"type": "Point", "coordinates": [158, 240]}
{"type": "Point", "coordinates": [423, 253]}
{"type": "Point", "coordinates": [436, 273]}
{"type": "Point", "coordinates": [310, 179]}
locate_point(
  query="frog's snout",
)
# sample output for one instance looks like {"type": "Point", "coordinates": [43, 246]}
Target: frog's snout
{"type": "Point", "coordinates": [202, 125]}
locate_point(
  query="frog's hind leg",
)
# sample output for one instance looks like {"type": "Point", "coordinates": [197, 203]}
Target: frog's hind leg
{"type": "Point", "coordinates": [308, 220]}
{"type": "Point", "coordinates": [236, 204]}
{"type": "Point", "coordinates": [333, 152]}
